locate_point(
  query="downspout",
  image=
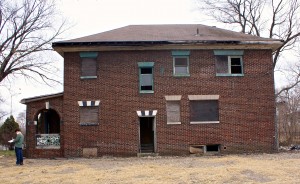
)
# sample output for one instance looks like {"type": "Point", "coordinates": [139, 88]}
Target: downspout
{"type": "Point", "coordinates": [276, 140]}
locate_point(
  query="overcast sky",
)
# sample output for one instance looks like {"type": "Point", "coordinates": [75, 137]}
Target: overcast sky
{"type": "Point", "coordinates": [94, 16]}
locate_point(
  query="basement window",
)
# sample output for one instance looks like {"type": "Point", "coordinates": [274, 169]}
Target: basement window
{"type": "Point", "coordinates": [212, 148]}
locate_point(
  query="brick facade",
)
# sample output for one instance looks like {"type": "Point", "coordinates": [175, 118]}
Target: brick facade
{"type": "Point", "coordinates": [32, 111]}
{"type": "Point", "coordinates": [246, 105]}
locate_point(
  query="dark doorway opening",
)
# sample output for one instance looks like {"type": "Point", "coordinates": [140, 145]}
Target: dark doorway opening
{"type": "Point", "coordinates": [48, 122]}
{"type": "Point", "coordinates": [147, 134]}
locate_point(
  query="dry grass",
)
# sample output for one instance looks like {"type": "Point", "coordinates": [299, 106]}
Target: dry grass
{"type": "Point", "coordinates": [263, 168]}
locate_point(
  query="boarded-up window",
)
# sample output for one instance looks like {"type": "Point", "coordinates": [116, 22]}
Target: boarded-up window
{"type": "Point", "coordinates": [173, 111]}
{"type": "Point", "coordinates": [88, 67]}
{"type": "Point", "coordinates": [204, 110]}
{"type": "Point", "coordinates": [89, 115]}
{"type": "Point", "coordinates": [222, 64]}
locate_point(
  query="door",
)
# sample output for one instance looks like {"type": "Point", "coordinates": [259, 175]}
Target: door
{"type": "Point", "coordinates": [147, 134]}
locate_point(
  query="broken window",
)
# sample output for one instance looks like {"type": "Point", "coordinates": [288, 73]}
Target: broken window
{"type": "Point", "coordinates": [229, 62]}
{"type": "Point", "coordinates": [173, 112]}
{"type": "Point", "coordinates": [204, 111]}
{"type": "Point", "coordinates": [88, 64]}
{"type": "Point", "coordinates": [229, 65]}
{"type": "Point", "coordinates": [146, 77]}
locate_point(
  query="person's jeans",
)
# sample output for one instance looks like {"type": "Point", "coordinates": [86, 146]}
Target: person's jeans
{"type": "Point", "coordinates": [19, 155]}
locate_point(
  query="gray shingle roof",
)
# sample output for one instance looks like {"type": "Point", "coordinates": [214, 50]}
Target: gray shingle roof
{"type": "Point", "coordinates": [169, 33]}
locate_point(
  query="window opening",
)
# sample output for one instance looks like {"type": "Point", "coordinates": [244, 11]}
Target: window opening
{"type": "Point", "coordinates": [229, 65]}
{"type": "Point", "coordinates": [212, 148]}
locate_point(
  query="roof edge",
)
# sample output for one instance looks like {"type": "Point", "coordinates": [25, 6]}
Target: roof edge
{"type": "Point", "coordinates": [42, 97]}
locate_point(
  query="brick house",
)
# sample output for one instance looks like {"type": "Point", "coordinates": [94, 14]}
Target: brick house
{"type": "Point", "coordinates": [163, 89]}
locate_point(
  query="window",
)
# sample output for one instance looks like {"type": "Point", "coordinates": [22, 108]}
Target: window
{"type": "Point", "coordinates": [204, 109]}
{"type": "Point", "coordinates": [229, 63]}
{"type": "Point", "coordinates": [88, 65]}
{"type": "Point", "coordinates": [173, 109]}
{"type": "Point", "coordinates": [181, 63]}
{"type": "Point", "coordinates": [146, 77]}
{"type": "Point", "coordinates": [89, 113]}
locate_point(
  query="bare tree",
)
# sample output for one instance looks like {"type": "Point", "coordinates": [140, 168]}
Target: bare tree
{"type": "Point", "coordinates": [27, 28]}
{"type": "Point", "coordinates": [277, 19]}
{"type": "Point", "coordinates": [2, 113]}
{"type": "Point", "coordinates": [21, 120]}
{"type": "Point", "coordinates": [288, 113]}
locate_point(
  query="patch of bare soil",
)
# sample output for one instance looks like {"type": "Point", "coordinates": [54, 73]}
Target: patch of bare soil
{"type": "Point", "coordinates": [262, 168]}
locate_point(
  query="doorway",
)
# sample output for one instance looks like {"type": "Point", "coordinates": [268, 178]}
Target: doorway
{"type": "Point", "coordinates": [48, 122]}
{"type": "Point", "coordinates": [147, 134]}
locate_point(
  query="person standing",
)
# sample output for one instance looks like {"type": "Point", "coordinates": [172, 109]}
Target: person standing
{"type": "Point", "coordinates": [18, 146]}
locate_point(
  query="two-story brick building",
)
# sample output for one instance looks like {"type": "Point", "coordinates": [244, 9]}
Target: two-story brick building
{"type": "Point", "coordinates": [165, 89]}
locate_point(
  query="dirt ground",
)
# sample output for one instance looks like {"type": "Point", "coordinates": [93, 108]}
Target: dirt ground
{"type": "Point", "coordinates": [260, 168]}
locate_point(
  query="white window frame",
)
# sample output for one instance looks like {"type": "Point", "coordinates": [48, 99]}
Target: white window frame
{"type": "Point", "coordinates": [229, 67]}
{"type": "Point", "coordinates": [187, 67]}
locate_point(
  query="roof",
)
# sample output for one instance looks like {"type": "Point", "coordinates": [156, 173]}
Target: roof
{"type": "Point", "coordinates": [171, 32]}
{"type": "Point", "coordinates": [42, 97]}
{"type": "Point", "coordinates": [178, 34]}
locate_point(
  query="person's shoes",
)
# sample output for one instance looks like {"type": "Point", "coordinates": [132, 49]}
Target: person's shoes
{"type": "Point", "coordinates": [21, 163]}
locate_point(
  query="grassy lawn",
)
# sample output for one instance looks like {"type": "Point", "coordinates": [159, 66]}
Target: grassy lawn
{"type": "Point", "coordinates": [7, 153]}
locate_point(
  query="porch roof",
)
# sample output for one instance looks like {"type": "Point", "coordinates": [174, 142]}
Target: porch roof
{"type": "Point", "coordinates": [42, 97]}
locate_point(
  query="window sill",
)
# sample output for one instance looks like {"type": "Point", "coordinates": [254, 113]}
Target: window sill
{"type": "Point", "coordinates": [181, 75]}
{"type": "Point", "coordinates": [229, 75]}
{"type": "Point", "coordinates": [147, 92]}
{"type": "Point", "coordinates": [204, 122]}
{"type": "Point", "coordinates": [88, 124]}
{"type": "Point", "coordinates": [47, 147]}
{"type": "Point", "coordinates": [173, 123]}
{"type": "Point", "coordinates": [88, 77]}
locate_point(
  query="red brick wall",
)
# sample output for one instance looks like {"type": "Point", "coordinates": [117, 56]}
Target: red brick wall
{"type": "Point", "coordinates": [246, 104]}
{"type": "Point", "coordinates": [33, 108]}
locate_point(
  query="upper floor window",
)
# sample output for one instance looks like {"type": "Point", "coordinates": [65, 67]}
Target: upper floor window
{"type": "Point", "coordinates": [88, 65]}
{"type": "Point", "coordinates": [181, 63]}
{"type": "Point", "coordinates": [229, 62]}
{"type": "Point", "coordinates": [146, 77]}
